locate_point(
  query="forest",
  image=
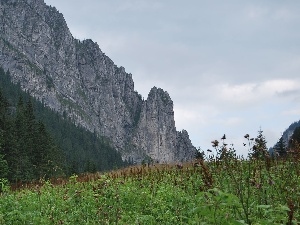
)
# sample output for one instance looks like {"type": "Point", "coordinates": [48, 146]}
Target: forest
{"type": "Point", "coordinates": [37, 142]}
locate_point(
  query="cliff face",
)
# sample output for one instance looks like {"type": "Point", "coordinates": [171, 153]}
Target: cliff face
{"type": "Point", "coordinates": [77, 79]}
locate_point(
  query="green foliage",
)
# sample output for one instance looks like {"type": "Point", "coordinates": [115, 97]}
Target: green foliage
{"type": "Point", "coordinates": [295, 138]}
{"type": "Point", "coordinates": [26, 147]}
{"type": "Point", "coordinates": [38, 142]}
{"type": "Point", "coordinates": [281, 147]}
{"type": "Point", "coordinates": [3, 162]}
{"type": "Point", "coordinates": [4, 186]}
{"type": "Point", "coordinates": [199, 154]}
{"type": "Point", "coordinates": [259, 149]}
{"type": "Point", "coordinates": [221, 190]}
{"type": "Point", "coordinates": [3, 167]}
{"type": "Point", "coordinates": [241, 192]}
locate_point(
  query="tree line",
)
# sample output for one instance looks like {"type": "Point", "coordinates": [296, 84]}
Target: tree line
{"type": "Point", "coordinates": [37, 142]}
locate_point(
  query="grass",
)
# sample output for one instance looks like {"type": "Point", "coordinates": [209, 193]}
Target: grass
{"type": "Point", "coordinates": [228, 191]}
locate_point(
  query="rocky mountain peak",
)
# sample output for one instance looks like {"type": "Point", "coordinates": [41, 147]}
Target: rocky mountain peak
{"type": "Point", "coordinates": [160, 96]}
{"type": "Point", "coordinates": [77, 79]}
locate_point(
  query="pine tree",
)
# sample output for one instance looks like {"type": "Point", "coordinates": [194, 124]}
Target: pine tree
{"type": "Point", "coordinates": [296, 136]}
{"type": "Point", "coordinates": [281, 148]}
{"type": "Point", "coordinates": [22, 142]}
{"type": "Point", "coordinates": [3, 162]}
{"type": "Point", "coordinates": [259, 149]}
{"type": "Point", "coordinates": [3, 110]}
{"type": "Point", "coordinates": [48, 155]}
{"type": "Point", "coordinates": [294, 143]}
{"type": "Point", "coordinates": [199, 154]}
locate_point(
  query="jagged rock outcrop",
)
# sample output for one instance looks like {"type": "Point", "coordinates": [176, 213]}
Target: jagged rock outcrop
{"type": "Point", "coordinates": [156, 130]}
{"type": "Point", "coordinates": [77, 79]}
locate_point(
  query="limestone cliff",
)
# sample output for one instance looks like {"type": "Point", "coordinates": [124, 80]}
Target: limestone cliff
{"type": "Point", "coordinates": [76, 78]}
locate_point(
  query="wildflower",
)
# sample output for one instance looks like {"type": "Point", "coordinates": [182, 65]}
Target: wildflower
{"type": "Point", "coordinates": [215, 143]}
{"type": "Point", "coordinates": [179, 166]}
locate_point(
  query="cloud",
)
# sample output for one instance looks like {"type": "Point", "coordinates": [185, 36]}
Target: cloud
{"type": "Point", "coordinates": [138, 5]}
{"type": "Point", "coordinates": [256, 93]}
{"type": "Point", "coordinates": [291, 112]}
{"type": "Point", "coordinates": [233, 121]}
{"type": "Point", "coordinates": [241, 94]}
{"type": "Point", "coordinates": [200, 114]}
{"type": "Point", "coordinates": [256, 12]}
{"type": "Point", "coordinates": [262, 12]}
{"type": "Point", "coordinates": [291, 65]}
{"type": "Point", "coordinates": [285, 14]}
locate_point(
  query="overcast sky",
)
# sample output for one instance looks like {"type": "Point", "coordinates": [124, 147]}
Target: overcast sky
{"type": "Point", "coordinates": [229, 66]}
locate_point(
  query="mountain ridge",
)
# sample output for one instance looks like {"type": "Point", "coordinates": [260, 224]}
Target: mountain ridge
{"type": "Point", "coordinates": [76, 78]}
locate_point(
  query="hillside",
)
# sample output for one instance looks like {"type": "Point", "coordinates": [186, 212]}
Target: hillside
{"type": "Point", "coordinates": [286, 135]}
{"type": "Point", "coordinates": [37, 142]}
{"type": "Point", "coordinates": [76, 79]}
{"type": "Point", "coordinates": [285, 141]}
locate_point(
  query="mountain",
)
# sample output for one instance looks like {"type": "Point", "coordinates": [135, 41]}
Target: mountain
{"type": "Point", "coordinates": [288, 133]}
{"type": "Point", "coordinates": [76, 79]}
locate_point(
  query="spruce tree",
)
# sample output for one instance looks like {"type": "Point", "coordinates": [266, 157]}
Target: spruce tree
{"type": "Point", "coordinates": [3, 110]}
{"type": "Point", "coordinates": [3, 162]}
{"type": "Point", "coordinates": [22, 143]}
{"type": "Point", "coordinates": [259, 149]}
{"type": "Point", "coordinates": [47, 154]}
{"type": "Point", "coordinates": [281, 148]}
{"type": "Point", "coordinates": [294, 143]}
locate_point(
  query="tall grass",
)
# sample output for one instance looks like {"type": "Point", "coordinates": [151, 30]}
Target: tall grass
{"type": "Point", "coordinates": [217, 190]}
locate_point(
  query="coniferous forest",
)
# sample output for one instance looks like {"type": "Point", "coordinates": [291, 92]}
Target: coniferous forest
{"type": "Point", "coordinates": [36, 142]}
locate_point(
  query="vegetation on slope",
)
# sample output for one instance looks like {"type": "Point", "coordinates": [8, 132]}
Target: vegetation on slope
{"type": "Point", "coordinates": [37, 142]}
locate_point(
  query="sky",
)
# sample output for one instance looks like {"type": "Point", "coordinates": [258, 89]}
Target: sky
{"type": "Point", "coordinates": [231, 67]}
